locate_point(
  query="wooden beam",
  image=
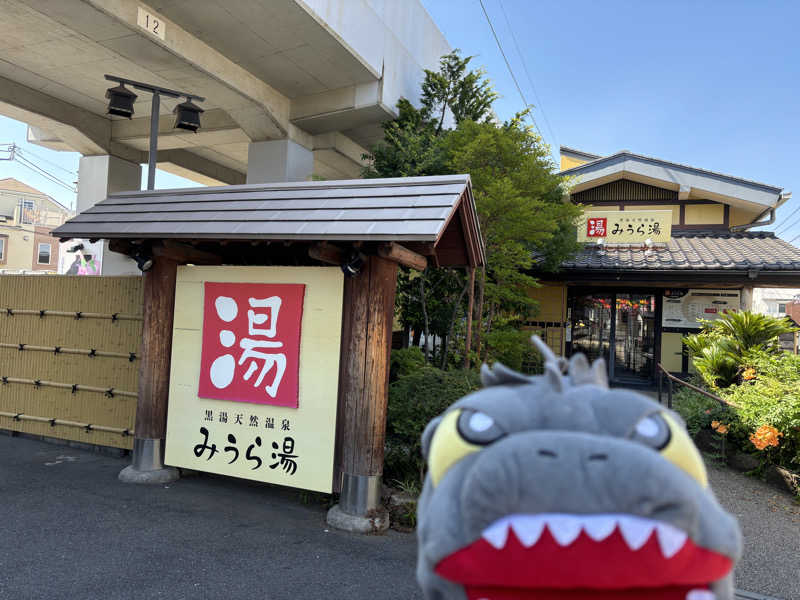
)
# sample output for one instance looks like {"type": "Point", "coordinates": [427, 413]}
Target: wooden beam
{"type": "Point", "coordinates": [122, 246]}
{"type": "Point", "coordinates": [185, 253]}
{"type": "Point", "coordinates": [326, 253]}
{"type": "Point", "coordinates": [404, 256]}
{"type": "Point", "coordinates": [159, 307]}
{"type": "Point", "coordinates": [364, 369]}
{"type": "Point", "coordinates": [470, 309]}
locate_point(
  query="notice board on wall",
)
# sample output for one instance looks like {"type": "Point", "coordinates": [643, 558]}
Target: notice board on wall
{"type": "Point", "coordinates": [683, 307]}
{"type": "Point", "coordinates": [254, 373]}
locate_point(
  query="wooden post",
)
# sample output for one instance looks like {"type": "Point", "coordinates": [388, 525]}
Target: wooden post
{"type": "Point", "coordinates": [468, 340]}
{"type": "Point", "coordinates": [151, 408]}
{"type": "Point", "coordinates": [364, 385]}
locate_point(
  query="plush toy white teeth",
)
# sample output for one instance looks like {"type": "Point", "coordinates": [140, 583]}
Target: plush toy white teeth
{"type": "Point", "coordinates": [566, 528]}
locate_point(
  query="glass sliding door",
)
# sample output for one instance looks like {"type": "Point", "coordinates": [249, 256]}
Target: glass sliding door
{"type": "Point", "coordinates": [634, 338]}
{"type": "Point", "coordinates": [619, 327]}
{"type": "Point", "coordinates": [591, 325]}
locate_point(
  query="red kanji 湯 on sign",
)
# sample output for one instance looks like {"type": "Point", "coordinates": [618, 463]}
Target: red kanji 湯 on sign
{"type": "Point", "coordinates": [251, 342]}
{"type": "Point", "coordinates": [596, 227]}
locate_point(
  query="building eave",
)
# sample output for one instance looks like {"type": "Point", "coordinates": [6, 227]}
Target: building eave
{"type": "Point", "coordinates": [688, 181]}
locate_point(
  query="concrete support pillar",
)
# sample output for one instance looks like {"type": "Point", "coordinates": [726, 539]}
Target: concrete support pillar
{"type": "Point", "coordinates": [276, 161]}
{"type": "Point", "coordinates": [99, 176]}
{"type": "Point", "coordinates": [151, 407]}
{"type": "Point", "coordinates": [746, 301]}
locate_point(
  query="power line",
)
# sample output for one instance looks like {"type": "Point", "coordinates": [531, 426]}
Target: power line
{"type": "Point", "coordinates": [528, 75]}
{"type": "Point", "coordinates": [46, 174]}
{"type": "Point", "coordinates": [782, 223]}
{"type": "Point", "coordinates": [788, 227]}
{"type": "Point", "coordinates": [52, 164]}
{"type": "Point", "coordinates": [16, 155]}
{"type": "Point", "coordinates": [508, 65]}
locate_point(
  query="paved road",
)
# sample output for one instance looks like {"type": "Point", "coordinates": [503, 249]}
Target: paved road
{"type": "Point", "coordinates": [69, 530]}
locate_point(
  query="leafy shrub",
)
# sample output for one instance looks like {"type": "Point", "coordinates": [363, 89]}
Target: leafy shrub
{"type": "Point", "coordinates": [697, 410]}
{"type": "Point", "coordinates": [772, 397]}
{"type": "Point", "coordinates": [514, 349]}
{"type": "Point", "coordinates": [405, 361]}
{"type": "Point", "coordinates": [414, 400]}
{"type": "Point", "coordinates": [765, 402]}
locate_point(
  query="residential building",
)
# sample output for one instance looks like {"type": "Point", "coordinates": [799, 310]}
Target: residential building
{"type": "Point", "coordinates": [26, 218]}
{"type": "Point", "coordinates": [774, 301]}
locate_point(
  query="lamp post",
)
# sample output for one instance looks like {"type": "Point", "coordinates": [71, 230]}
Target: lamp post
{"type": "Point", "coordinates": [121, 101]}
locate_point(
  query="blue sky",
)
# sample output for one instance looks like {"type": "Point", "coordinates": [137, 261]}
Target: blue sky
{"type": "Point", "coordinates": [710, 84]}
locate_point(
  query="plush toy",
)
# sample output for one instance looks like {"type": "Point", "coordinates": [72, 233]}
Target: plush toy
{"type": "Point", "coordinates": [556, 487]}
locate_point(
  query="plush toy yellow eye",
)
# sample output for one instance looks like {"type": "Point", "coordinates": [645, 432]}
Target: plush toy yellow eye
{"type": "Point", "coordinates": [661, 432]}
{"type": "Point", "coordinates": [448, 445]}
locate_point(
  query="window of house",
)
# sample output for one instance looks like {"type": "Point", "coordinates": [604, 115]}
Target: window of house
{"type": "Point", "coordinates": [782, 307]}
{"type": "Point", "coordinates": [44, 254]}
{"type": "Point", "coordinates": [2, 248]}
{"type": "Point", "coordinates": [27, 208]}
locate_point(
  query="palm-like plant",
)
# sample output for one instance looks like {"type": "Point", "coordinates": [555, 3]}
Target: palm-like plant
{"type": "Point", "coordinates": [717, 365]}
{"type": "Point", "coordinates": [718, 350]}
{"type": "Point", "coordinates": [751, 331]}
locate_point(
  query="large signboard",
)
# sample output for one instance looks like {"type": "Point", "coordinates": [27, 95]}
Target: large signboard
{"type": "Point", "coordinates": [625, 226]}
{"type": "Point", "coordinates": [254, 373]}
{"type": "Point", "coordinates": [683, 308]}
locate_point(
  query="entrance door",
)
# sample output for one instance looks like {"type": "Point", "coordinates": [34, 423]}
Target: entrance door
{"type": "Point", "coordinates": [634, 338]}
{"type": "Point", "coordinates": [619, 327]}
{"type": "Point", "coordinates": [591, 325]}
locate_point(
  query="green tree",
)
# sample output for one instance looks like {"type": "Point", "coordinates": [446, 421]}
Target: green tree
{"type": "Point", "coordinates": [468, 95]}
{"type": "Point", "coordinates": [518, 194]}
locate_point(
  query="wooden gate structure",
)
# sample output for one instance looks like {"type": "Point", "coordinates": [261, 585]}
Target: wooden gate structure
{"type": "Point", "coordinates": [367, 227]}
{"type": "Point", "coordinates": [69, 356]}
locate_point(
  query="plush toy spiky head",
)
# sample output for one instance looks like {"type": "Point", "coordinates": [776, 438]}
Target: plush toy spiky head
{"type": "Point", "coordinates": [557, 487]}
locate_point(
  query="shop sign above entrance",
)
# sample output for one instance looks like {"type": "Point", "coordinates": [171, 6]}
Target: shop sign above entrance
{"type": "Point", "coordinates": [254, 373]}
{"type": "Point", "coordinates": [625, 226]}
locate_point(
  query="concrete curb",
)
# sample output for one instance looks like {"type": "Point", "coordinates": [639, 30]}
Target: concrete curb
{"type": "Point", "coordinates": [158, 476]}
{"type": "Point", "coordinates": [377, 523]}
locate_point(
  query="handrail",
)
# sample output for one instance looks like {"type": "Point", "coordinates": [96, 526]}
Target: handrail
{"type": "Point", "coordinates": [671, 377]}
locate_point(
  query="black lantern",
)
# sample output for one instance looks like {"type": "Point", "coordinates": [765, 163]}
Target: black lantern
{"type": "Point", "coordinates": [120, 101]}
{"type": "Point", "coordinates": [143, 261]}
{"type": "Point", "coordinates": [187, 116]}
{"type": "Point", "coordinates": [354, 264]}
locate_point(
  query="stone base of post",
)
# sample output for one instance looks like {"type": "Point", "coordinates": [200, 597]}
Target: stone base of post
{"type": "Point", "coordinates": [360, 509]}
{"type": "Point", "coordinates": [148, 464]}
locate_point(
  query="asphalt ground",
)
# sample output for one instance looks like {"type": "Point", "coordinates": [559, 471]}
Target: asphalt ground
{"type": "Point", "coordinates": [69, 529]}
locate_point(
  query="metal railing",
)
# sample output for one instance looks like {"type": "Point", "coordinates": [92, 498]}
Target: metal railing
{"type": "Point", "coordinates": [672, 380]}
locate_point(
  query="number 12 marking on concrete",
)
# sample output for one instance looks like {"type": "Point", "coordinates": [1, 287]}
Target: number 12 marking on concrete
{"type": "Point", "coordinates": [152, 23]}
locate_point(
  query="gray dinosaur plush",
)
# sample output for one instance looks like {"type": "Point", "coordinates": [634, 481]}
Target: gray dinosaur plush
{"type": "Point", "coordinates": [557, 487]}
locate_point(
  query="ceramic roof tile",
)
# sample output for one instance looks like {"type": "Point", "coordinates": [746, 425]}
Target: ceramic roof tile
{"type": "Point", "coordinates": [701, 251]}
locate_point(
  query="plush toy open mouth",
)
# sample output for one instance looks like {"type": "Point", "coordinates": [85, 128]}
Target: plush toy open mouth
{"type": "Point", "coordinates": [599, 556]}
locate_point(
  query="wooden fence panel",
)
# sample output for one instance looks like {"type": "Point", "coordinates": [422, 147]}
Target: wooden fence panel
{"type": "Point", "coordinates": [113, 404]}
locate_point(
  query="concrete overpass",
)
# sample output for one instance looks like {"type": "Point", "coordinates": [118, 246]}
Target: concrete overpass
{"type": "Point", "coordinates": [293, 87]}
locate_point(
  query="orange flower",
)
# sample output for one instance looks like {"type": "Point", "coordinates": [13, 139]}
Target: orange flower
{"type": "Point", "coordinates": [749, 374]}
{"type": "Point", "coordinates": [719, 427]}
{"type": "Point", "coordinates": [764, 436]}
